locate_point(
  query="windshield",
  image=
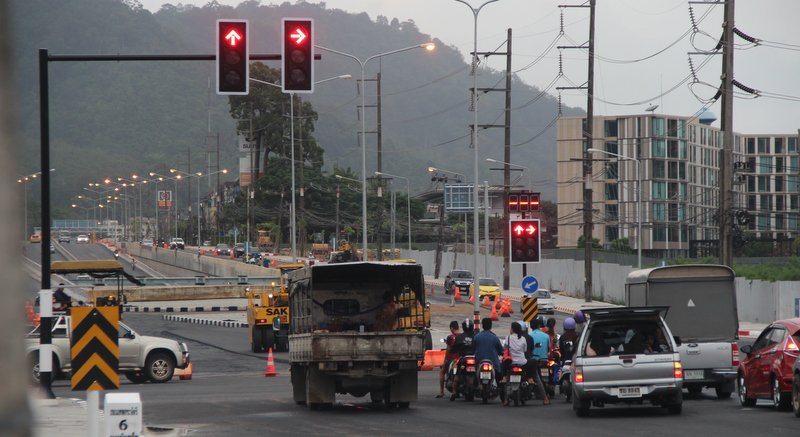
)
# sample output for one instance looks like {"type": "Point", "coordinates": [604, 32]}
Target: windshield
{"type": "Point", "coordinates": [488, 282]}
{"type": "Point", "coordinates": [543, 294]}
{"type": "Point", "coordinates": [222, 246]}
{"type": "Point", "coordinates": [461, 275]}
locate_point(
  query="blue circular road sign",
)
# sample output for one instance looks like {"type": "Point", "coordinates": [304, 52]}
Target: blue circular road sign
{"type": "Point", "coordinates": [530, 284]}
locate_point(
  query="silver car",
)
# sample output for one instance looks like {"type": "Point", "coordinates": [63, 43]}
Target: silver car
{"type": "Point", "coordinates": [545, 301]}
{"type": "Point", "coordinates": [627, 355]}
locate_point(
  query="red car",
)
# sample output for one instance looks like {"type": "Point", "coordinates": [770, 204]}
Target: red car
{"type": "Point", "coordinates": [766, 372]}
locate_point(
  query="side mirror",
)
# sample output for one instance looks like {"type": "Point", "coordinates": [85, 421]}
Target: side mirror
{"type": "Point", "coordinates": [747, 349]}
{"type": "Point", "coordinates": [677, 340]}
{"type": "Point", "coordinates": [130, 334]}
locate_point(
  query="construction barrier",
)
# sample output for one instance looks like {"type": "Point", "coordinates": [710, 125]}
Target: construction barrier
{"type": "Point", "coordinates": [183, 374]}
{"type": "Point", "coordinates": [433, 359]}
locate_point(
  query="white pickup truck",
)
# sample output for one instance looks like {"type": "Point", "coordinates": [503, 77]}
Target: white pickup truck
{"type": "Point", "coordinates": [141, 357]}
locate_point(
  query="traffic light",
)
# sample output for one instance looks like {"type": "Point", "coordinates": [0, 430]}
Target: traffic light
{"type": "Point", "coordinates": [513, 203]}
{"type": "Point", "coordinates": [233, 57]}
{"type": "Point", "coordinates": [523, 202]}
{"type": "Point", "coordinates": [525, 245]}
{"type": "Point", "coordinates": [297, 75]}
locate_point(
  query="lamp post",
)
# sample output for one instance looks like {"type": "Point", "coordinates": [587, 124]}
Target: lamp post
{"type": "Point", "coordinates": [408, 202]}
{"type": "Point", "coordinates": [525, 169]}
{"type": "Point", "coordinates": [638, 200]}
{"type": "Point", "coordinates": [475, 213]}
{"type": "Point", "coordinates": [345, 178]}
{"type": "Point", "coordinates": [428, 46]}
{"type": "Point", "coordinates": [293, 215]}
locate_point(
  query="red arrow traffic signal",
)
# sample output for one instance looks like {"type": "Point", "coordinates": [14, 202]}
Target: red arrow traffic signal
{"type": "Point", "coordinates": [233, 58]}
{"type": "Point", "coordinates": [297, 74]}
{"type": "Point", "coordinates": [525, 242]}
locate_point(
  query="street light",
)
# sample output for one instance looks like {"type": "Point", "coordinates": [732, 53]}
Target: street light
{"type": "Point", "coordinates": [427, 46]}
{"type": "Point", "coordinates": [408, 202]}
{"type": "Point", "coordinates": [526, 169]}
{"type": "Point", "coordinates": [293, 215]}
{"type": "Point", "coordinates": [475, 213]}
{"type": "Point", "coordinates": [638, 199]}
{"type": "Point", "coordinates": [24, 180]}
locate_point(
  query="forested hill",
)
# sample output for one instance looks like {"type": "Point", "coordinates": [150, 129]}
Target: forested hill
{"type": "Point", "coordinates": [117, 118]}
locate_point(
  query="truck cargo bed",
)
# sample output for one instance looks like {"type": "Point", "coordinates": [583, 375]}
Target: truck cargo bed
{"type": "Point", "coordinates": [356, 346]}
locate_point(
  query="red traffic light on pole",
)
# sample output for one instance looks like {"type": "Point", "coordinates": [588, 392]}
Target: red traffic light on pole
{"type": "Point", "coordinates": [525, 245]}
{"type": "Point", "coordinates": [297, 74]}
{"type": "Point", "coordinates": [233, 57]}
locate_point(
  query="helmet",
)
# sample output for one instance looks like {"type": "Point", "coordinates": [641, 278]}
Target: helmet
{"type": "Point", "coordinates": [569, 324]}
{"type": "Point", "coordinates": [466, 325]}
{"type": "Point", "coordinates": [579, 317]}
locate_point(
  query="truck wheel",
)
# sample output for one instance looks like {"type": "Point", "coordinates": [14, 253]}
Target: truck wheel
{"type": "Point", "coordinates": [581, 407]}
{"type": "Point", "coordinates": [159, 367]}
{"type": "Point", "coordinates": [136, 377]}
{"type": "Point", "coordinates": [255, 343]}
{"type": "Point", "coordinates": [34, 362]}
{"type": "Point", "coordinates": [267, 338]}
{"type": "Point", "coordinates": [428, 340]}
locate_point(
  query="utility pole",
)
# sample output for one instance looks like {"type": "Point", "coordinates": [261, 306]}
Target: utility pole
{"type": "Point", "coordinates": [507, 169]}
{"type": "Point", "coordinates": [726, 153]}
{"type": "Point", "coordinates": [588, 135]}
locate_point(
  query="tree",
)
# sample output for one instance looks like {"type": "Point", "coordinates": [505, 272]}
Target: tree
{"type": "Point", "coordinates": [595, 243]}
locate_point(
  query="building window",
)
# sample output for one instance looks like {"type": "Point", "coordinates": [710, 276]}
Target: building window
{"type": "Point", "coordinates": [763, 184]}
{"type": "Point", "coordinates": [793, 202]}
{"type": "Point", "coordinates": [658, 127]}
{"type": "Point", "coordinates": [659, 212]}
{"type": "Point", "coordinates": [659, 190]}
{"type": "Point", "coordinates": [751, 203]}
{"type": "Point", "coordinates": [763, 145]}
{"type": "Point", "coordinates": [765, 202]}
{"type": "Point", "coordinates": [611, 128]}
{"type": "Point", "coordinates": [672, 148]}
{"type": "Point", "coordinates": [682, 149]}
{"type": "Point", "coordinates": [612, 233]}
{"type": "Point", "coordinates": [751, 184]}
{"type": "Point", "coordinates": [673, 169]}
{"type": "Point", "coordinates": [792, 222]}
{"type": "Point", "coordinates": [779, 221]}
{"type": "Point", "coordinates": [612, 170]}
{"type": "Point", "coordinates": [673, 212]}
{"type": "Point", "coordinates": [611, 192]}
{"type": "Point", "coordinates": [793, 165]}
{"type": "Point", "coordinates": [612, 213]}
{"type": "Point", "coordinates": [764, 164]}
{"type": "Point", "coordinates": [791, 145]}
{"type": "Point", "coordinates": [659, 149]}
{"type": "Point", "coordinates": [779, 203]}
{"type": "Point", "coordinates": [611, 146]}
{"type": "Point", "coordinates": [779, 164]}
{"type": "Point", "coordinates": [658, 169]}
{"type": "Point", "coordinates": [681, 128]}
{"type": "Point", "coordinates": [763, 221]}
{"type": "Point", "coordinates": [778, 183]}
{"type": "Point", "coordinates": [682, 170]}
{"type": "Point", "coordinates": [778, 145]}
{"type": "Point", "coordinates": [791, 184]}
{"type": "Point", "coordinates": [751, 146]}
{"type": "Point", "coordinates": [659, 233]}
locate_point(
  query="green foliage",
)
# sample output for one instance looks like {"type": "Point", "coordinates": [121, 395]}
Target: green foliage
{"type": "Point", "coordinates": [788, 271]}
{"type": "Point", "coordinates": [595, 243]}
{"type": "Point", "coordinates": [621, 245]}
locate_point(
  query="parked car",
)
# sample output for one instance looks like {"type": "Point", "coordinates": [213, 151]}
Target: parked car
{"type": "Point", "coordinates": [222, 249]}
{"type": "Point", "coordinates": [52, 247]}
{"type": "Point", "coordinates": [460, 279]}
{"type": "Point", "coordinates": [615, 362]}
{"type": "Point", "coordinates": [489, 287]}
{"type": "Point", "coordinates": [176, 243]}
{"type": "Point", "coordinates": [545, 301]}
{"type": "Point", "coordinates": [796, 389]}
{"type": "Point", "coordinates": [36, 238]}
{"type": "Point", "coordinates": [768, 370]}
{"type": "Point", "coordinates": [147, 242]}
{"type": "Point", "coordinates": [64, 237]}
{"type": "Point", "coordinates": [83, 238]}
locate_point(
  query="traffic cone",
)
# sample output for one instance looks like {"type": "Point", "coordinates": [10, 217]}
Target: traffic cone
{"type": "Point", "coordinates": [494, 314]}
{"type": "Point", "coordinates": [29, 311]}
{"type": "Point", "coordinates": [471, 295]}
{"type": "Point", "coordinates": [486, 302]}
{"type": "Point", "coordinates": [509, 305]}
{"type": "Point", "coordinates": [270, 371]}
{"type": "Point", "coordinates": [504, 310]}
{"type": "Point", "coordinates": [498, 300]}
{"type": "Point", "coordinates": [457, 294]}
{"type": "Point", "coordinates": [184, 374]}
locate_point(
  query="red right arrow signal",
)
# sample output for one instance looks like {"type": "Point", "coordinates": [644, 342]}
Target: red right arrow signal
{"type": "Point", "coordinates": [299, 36]}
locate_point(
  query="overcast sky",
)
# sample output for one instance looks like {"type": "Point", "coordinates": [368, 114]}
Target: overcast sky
{"type": "Point", "coordinates": [626, 30]}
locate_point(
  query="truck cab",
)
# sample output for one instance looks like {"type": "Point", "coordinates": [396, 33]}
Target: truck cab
{"type": "Point", "coordinates": [268, 313]}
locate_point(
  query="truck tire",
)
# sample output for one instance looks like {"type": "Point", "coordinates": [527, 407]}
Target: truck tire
{"type": "Point", "coordinates": [34, 366]}
{"type": "Point", "coordinates": [159, 367]}
{"type": "Point", "coordinates": [267, 338]}
{"type": "Point", "coordinates": [581, 407]}
{"type": "Point", "coordinates": [255, 335]}
{"type": "Point", "coordinates": [136, 377]}
{"type": "Point", "coordinates": [298, 376]}
{"type": "Point", "coordinates": [428, 340]}
{"type": "Point", "coordinates": [744, 397]}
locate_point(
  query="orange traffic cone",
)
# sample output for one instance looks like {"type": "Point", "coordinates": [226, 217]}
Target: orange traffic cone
{"type": "Point", "coordinates": [498, 301]}
{"type": "Point", "coordinates": [29, 311]}
{"type": "Point", "coordinates": [471, 295]}
{"type": "Point", "coordinates": [184, 374]}
{"type": "Point", "coordinates": [457, 294]}
{"type": "Point", "coordinates": [509, 305]}
{"type": "Point", "coordinates": [494, 314]}
{"type": "Point", "coordinates": [486, 302]}
{"type": "Point", "coordinates": [504, 310]}
{"type": "Point", "coordinates": [270, 371]}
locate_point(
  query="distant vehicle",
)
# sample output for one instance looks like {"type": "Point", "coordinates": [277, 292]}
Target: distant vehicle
{"type": "Point", "coordinates": [206, 242]}
{"type": "Point", "coordinates": [82, 238]}
{"type": "Point", "coordinates": [460, 279]}
{"type": "Point", "coordinates": [64, 237]}
{"type": "Point", "coordinates": [238, 250]}
{"type": "Point", "coordinates": [147, 242]}
{"type": "Point", "coordinates": [614, 364]}
{"type": "Point", "coordinates": [36, 238]}
{"type": "Point", "coordinates": [52, 247]}
{"type": "Point", "coordinates": [222, 249]}
{"type": "Point", "coordinates": [768, 370]}
{"type": "Point", "coordinates": [545, 301]}
{"type": "Point", "coordinates": [489, 287]}
{"type": "Point", "coordinates": [176, 243]}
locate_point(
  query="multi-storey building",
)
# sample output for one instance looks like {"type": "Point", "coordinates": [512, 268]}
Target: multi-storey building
{"type": "Point", "coordinates": [679, 164]}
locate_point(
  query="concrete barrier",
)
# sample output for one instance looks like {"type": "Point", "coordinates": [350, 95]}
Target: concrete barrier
{"type": "Point", "coordinates": [170, 293]}
{"type": "Point", "coordinates": [195, 262]}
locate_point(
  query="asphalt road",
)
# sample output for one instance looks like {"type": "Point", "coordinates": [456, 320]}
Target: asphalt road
{"type": "Point", "coordinates": [229, 395]}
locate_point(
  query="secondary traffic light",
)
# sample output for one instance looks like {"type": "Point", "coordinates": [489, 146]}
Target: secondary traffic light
{"type": "Point", "coordinates": [233, 57]}
{"type": "Point", "coordinates": [297, 75]}
{"type": "Point", "coordinates": [523, 202]}
{"type": "Point", "coordinates": [525, 244]}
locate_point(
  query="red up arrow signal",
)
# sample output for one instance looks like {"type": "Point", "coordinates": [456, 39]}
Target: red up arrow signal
{"type": "Point", "coordinates": [299, 36]}
{"type": "Point", "coordinates": [233, 36]}
{"type": "Point", "coordinates": [518, 229]}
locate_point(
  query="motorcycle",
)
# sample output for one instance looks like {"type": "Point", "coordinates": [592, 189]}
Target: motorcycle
{"type": "Point", "coordinates": [517, 387]}
{"type": "Point", "coordinates": [564, 381]}
{"type": "Point", "coordinates": [487, 382]}
{"type": "Point", "coordinates": [546, 371]}
{"type": "Point", "coordinates": [464, 367]}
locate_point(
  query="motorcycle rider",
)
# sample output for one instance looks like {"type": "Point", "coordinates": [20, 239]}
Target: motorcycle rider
{"type": "Point", "coordinates": [568, 340]}
{"type": "Point", "coordinates": [518, 349]}
{"type": "Point", "coordinates": [464, 345]}
{"type": "Point", "coordinates": [541, 347]}
{"type": "Point", "coordinates": [489, 347]}
{"type": "Point", "coordinates": [449, 356]}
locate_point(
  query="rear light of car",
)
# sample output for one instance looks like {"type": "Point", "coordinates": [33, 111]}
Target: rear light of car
{"type": "Point", "coordinates": [486, 367]}
{"type": "Point", "coordinates": [470, 361]}
{"type": "Point", "coordinates": [578, 374]}
{"type": "Point", "coordinates": [678, 370]}
{"type": "Point", "coordinates": [734, 354]}
{"type": "Point", "coordinates": [792, 348]}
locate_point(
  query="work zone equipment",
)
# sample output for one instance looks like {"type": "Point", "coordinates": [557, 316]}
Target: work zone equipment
{"type": "Point", "coordinates": [268, 313]}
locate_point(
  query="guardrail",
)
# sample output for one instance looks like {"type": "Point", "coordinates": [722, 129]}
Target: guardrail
{"type": "Point", "coordinates": [196, 280]}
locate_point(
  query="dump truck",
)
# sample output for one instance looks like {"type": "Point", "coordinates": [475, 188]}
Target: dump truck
{"type": "Point", "coordinates": [264, 240]}
{"type": "Point", "coordinates": [357, 328]}
{"type": "Point", "coordinates": [268, 313]}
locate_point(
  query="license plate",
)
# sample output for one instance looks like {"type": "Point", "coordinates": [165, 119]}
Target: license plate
{"type": "Point", "coordinates": [693, 374]}
{"type": "Point", "coordinates": [486, 375]}
{"type": "Point", "coordinates": [515, 378]}
{"type": "Point", "coordinates": [544, 372]}
{"type": "Point", "coordinates": [470, 368]}
{"type": "Point", "coordinates": [630, 392]}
